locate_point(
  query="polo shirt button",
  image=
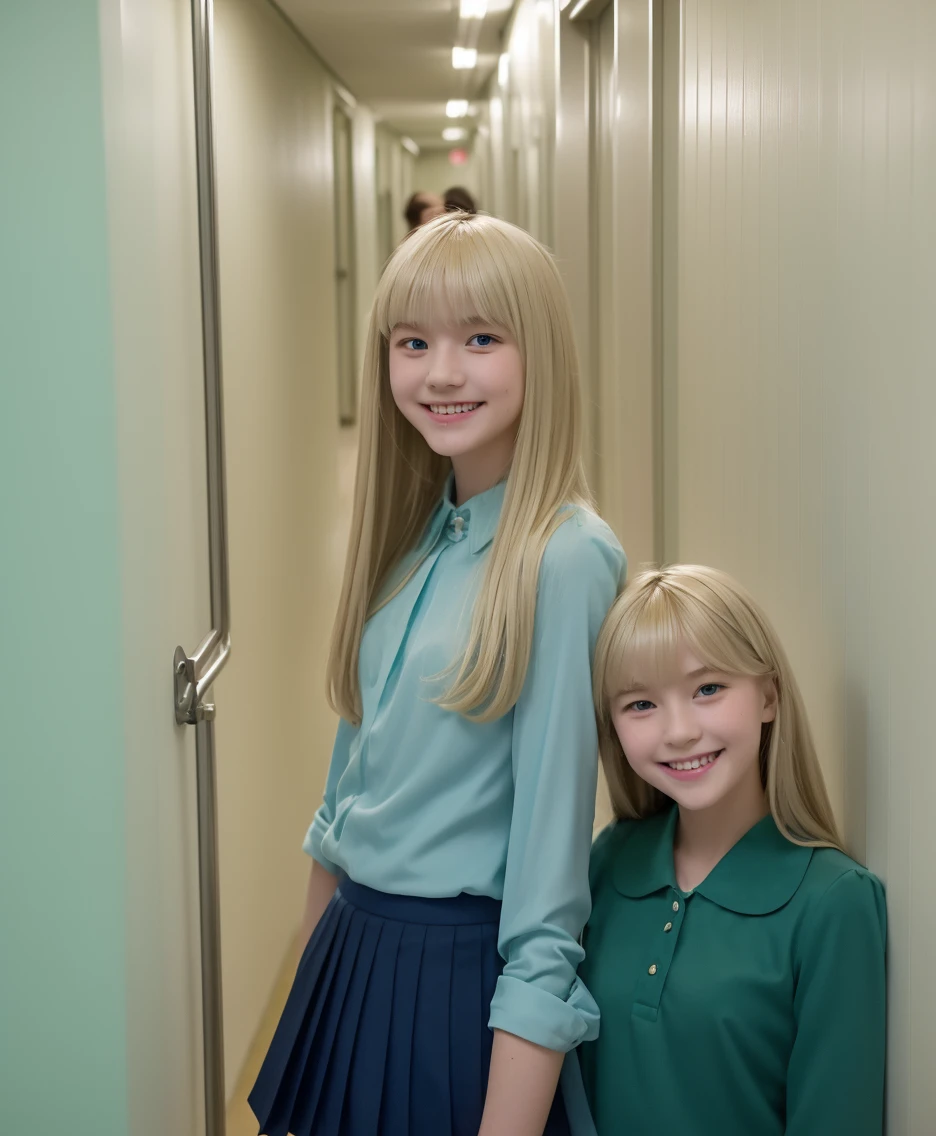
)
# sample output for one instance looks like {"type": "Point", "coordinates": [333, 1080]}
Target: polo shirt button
{"type": "Point", "coordinates": [675, 905]}
{"type": "Point", "coordinates": [668, 927]}
{"type": "Point", "coordinates": [652, 969]}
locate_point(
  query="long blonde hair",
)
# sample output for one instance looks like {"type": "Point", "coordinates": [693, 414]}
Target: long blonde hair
{"type": "Point", "coordinates": [713, 616]}
{"type": "Point", "coordinates": [460, 267]}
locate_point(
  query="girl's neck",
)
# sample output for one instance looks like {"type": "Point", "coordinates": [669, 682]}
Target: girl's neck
{"type": "Point", "coordinates": [704, 836]}
{"type": "Point", "coordinates": [479, 471]}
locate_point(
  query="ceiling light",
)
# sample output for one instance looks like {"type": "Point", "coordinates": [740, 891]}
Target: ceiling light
{"type": "Point", "coordinates": [464, 58]}
{"type": "Point", "coordinates": [456, 108]}
{"type": "Point", "coordinates": [409, 144]}
{"type": "Point", "coordinates": [473, 9]}
{"type": "Point", "coordinates": [503, 69]}
{"type": "Point", "coordinates": [453, 134]}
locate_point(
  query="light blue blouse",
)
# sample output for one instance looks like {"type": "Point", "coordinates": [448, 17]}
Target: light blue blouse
{"type": "Point", "coordinates": [422, 801]}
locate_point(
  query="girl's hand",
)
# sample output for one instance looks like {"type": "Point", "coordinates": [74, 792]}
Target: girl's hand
{"type": "Point", "coordinates": [322, 885]}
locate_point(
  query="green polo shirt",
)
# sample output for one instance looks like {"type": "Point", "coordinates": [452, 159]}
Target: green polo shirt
{"type": "Point", "coordinates": [753, 1005]}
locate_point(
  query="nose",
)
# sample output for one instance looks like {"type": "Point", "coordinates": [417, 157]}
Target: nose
{"type": "Point", "coordinates": [681, 727]}
{"type": "Point", "coordinates": [445, 370]}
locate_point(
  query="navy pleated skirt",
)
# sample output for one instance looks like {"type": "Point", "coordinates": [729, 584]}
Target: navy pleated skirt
{"type": "Point", "coordinates": [385, 1029]}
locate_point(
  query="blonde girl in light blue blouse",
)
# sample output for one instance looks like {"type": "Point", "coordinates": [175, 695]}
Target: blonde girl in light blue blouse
{"type": "Point", "coordinates": [438, 991]}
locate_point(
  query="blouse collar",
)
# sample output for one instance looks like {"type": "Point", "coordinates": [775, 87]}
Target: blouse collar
{"type": "Point", "coordinates": [475, 520]}
{"type": "Point", "coordinates": [758, 875]}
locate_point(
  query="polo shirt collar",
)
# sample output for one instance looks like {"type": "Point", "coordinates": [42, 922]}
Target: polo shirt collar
{"type": "Point", "coordinates": [758, 875]}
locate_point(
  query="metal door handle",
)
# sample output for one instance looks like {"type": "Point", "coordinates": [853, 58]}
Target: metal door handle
{"type": "Point", "coordinates": [193, 674]}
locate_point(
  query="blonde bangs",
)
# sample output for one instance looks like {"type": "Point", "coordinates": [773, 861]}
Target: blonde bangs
{"type": "Point", "coordinates": [647, 628]}
{"type": "Point", "coordinates": [452, 274]}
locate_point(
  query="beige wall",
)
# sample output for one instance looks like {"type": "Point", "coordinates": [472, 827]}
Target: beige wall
{"type": "Point", "coordinates": [515, 148]}
{"type": "Point", "coordinates": [433, 172]}
{"type": "Point", "coordinates": [395, 172]}
{"type": "Point", "coordinates": [625, 408]}
{"type": "Point", "coordinates": [368, 261]}
{"type": "Point", "coordinates": [572, 213]}
{"type": "Point", "coordinates": [805, 400]}
{"type": "Point", "coordinates": [526, 107]}
{"type": "Point", "coordinates": [274, 731]}
{"type": "Point", "coordinates": [576, 165]}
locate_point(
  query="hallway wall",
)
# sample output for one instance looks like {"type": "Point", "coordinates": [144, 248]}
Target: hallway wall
{"type": "Point", "coordinates": [623, 240]}
{"type": "Point", "coordinates": [526, 106]}
{"type": "Point", "coordinates": [156, 304]}
{"type": "Point", "coordinates": [62, 823]}
{"type": "Point", "coordinates": [274, 729]}
{"type": "Point", "coordinates": [434, 173]}
{"type": "Point", "coordinates": [104, 567]}
{"type": "Point", "coordinates": [565, 149]}
{"type": "Point", "coordinates": [395, 173]}
{"type": "Point", "coordinates": [367, 254]}
{"type": "Point", "coordinates": [805, 401]}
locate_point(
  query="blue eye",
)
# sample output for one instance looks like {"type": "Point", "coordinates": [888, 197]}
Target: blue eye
{"type": "Point", "coordinates": [639, 705]}
{"type": "Point", "coordinates": [709, 689]}
{"type": "Point", "coordinates": [415, 344]}
{"type": "Point", "coordinates": [483, 340]}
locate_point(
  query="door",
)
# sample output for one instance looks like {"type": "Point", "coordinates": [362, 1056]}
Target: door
{"type": "Point", "coordinates": [345, 283]}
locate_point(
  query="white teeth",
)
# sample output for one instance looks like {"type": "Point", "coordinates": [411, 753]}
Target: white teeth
{"type": "Point", "coordinates": [695, 763]}
{"type": "Point", "coordinates": [454, 408]}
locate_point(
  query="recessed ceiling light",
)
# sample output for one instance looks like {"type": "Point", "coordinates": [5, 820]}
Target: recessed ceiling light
{"type": "Point", "coordinates": [464, 58]}
{"type": "Point", "coordinates": [453, 134]}
{"type": "Point", "coordinates": [456, 108]}
{"type": "Point", "coordinates": [473, 9]}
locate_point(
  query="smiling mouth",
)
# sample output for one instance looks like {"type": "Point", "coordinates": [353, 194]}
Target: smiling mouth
{"type": "Point", "coordinates": [692, 767]}
{"type": "Point", "coordinates": [446, 409]}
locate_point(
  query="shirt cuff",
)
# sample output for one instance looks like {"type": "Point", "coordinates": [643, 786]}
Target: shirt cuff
{"type": "Point", "coordinates": [312, 846]}
{"type": "Point", "coordinates": [536, 1015]}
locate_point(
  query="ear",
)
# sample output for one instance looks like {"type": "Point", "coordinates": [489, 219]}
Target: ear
{"type": "Point", "coordinates": [771, 700]}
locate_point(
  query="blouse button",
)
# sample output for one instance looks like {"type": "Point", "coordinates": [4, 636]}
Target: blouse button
{"type": "Point", "coordinates": [668, 927]}
{"type": "Point", "coordinates": [653, 969]}
{"type": "Point", "coordinates": [675, 904]}
{"type": "Point", "coordinates": [459, 523]}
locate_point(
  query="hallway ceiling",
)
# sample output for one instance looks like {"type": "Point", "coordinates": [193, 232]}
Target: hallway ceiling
{"type": "Point", "coordinates": [396, 55]}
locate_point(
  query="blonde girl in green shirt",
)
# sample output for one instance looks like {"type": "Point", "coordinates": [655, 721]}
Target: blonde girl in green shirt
{"type": "Point", "coordinates": [735, 950]}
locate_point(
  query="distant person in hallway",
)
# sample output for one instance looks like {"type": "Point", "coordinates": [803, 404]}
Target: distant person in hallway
{"type": "Point", "coordinates": [458, 199]}
{"type": "Point", "coordinates": [735, 950]}
{"type": "Point", "coordinates": [438, 990]}
{"type": "Point", "coordinates": [421, 208]}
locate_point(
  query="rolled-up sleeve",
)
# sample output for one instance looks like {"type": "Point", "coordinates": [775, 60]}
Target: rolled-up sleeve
{"type": "Point", "coordinates": [555, 766]}
{"type": "Point", "coordinates": [325, 816]}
